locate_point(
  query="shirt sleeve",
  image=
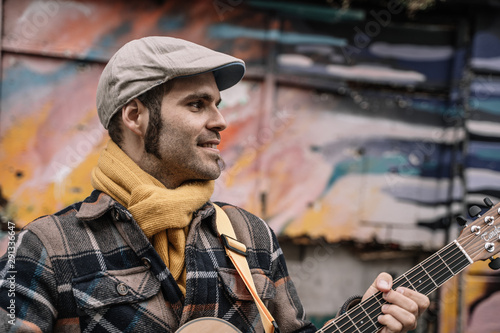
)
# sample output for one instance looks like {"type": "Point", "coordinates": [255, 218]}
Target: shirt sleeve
{"type": "Point", "coordinates": [28, 289]}
{"type": "Point", "coordinates": [286, 306]}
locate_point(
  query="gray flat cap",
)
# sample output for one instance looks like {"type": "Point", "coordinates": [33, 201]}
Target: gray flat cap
{"type": "Point", "coordinates": [148, 62]}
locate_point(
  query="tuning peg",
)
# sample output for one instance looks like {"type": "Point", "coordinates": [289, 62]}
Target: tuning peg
{"type": "Point", "coordinates": [461, 220]}
{"type": "Point", "coordinates": [494, 263]}
{"type": "Point", "coordinates": [474, 211]}
{"type": "Point", "coordinates": [488, 202]}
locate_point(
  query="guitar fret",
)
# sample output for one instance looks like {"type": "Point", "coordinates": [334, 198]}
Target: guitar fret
{"type": "Point", "coordinates": [372, 308]}
{"type": "Point", "coordinates": [352, 322]}
{"type": "Point", "coordinates": [430, 277]}
{"type": "Point", "coordinates": [402, 284]}
{"type": "Point", "coordinates": [440, 274]}
{"type": "Point", "coordinates": [458, 265]}
{"type": "Point", "coordinates": [430, 274]}
{"type": "Point", "coordinates": [367, 326]}
{"type": "Point", "coordinates": [368, 315]}
{"type": "Point", "coordinates": [336, 327]}
{"type": "Point", "coordinates": [424, 278]}
{"type": "Point", "coordinates": [445, 264]}
{"type": "Point", "coordinates": [346, 325]}
{"type": "Point", "coordinates": [330, 328]}
{"type": "Point", "coordinates": [419, 280]}
{"type": "Point", "coordinates": [358, 316]}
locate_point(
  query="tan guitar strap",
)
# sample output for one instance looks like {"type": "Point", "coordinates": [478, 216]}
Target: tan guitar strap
{"type": "Point", "coordinates": [236, 251]}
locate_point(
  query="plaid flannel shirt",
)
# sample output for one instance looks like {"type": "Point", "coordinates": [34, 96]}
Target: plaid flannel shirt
{"type": "Point", "coordinates": [90, 268]}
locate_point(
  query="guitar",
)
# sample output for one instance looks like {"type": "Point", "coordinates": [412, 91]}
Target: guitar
{"type": "Point", "coordinates": [476, 242]}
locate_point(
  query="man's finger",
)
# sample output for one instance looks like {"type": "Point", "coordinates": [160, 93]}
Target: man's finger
{"type": "Point", "coordinates": [382, 283]}
{"type": "Point", "coordinates": [421, 300]}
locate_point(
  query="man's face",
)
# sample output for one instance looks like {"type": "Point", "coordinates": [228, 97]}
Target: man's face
{"type": "Point", "coordinates": [189, 135]}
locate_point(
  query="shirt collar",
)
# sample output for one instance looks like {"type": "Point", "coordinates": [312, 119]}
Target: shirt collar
{"type": "Point", "coordinates": [95, 206]}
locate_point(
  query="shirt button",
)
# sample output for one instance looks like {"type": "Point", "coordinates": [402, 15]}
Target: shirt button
{"type": "Point", "coordinates": [146, 262]}
{"type": "Point", "coordinates": [122, 289]}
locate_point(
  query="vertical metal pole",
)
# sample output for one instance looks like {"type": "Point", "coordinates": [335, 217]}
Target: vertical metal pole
{"type": "Point", "coordinates": [464, 91]}
{"type": "Point", "coordinates": [266, 114]}
{"type": "Point", "coordinates": [461, 308]}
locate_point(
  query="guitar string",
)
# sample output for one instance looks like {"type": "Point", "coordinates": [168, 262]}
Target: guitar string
{"type": "Point", "coordinates": [437, 255]}
{"type": "Point", "coordinates": [458, 254]}
{"type": "Point", "coordinates": [434, 287]}
{"type": "Point", "coordinates": [376, 295]}
{"type": "Point", "coordinates": [350, 312]}
{"type": "Point", "coordinates": [465, 243]}
{"type": "Point", "coordinates": [463, 262]}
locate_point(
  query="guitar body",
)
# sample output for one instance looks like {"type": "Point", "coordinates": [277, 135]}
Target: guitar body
{"type": "Point", "coordinates": [208, 324]}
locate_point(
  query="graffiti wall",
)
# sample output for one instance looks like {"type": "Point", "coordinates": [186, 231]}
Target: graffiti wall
{"type": "Point", "coordinates": [363, 124]}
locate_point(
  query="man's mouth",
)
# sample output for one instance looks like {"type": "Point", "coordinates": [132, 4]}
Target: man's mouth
{"type": "Point", "coordinates": [209, 145]}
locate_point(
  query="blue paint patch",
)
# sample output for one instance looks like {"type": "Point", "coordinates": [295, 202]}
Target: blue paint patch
{"type": "Point", "coordinates": [21, 79]}
{"type": "Point", "coordinates": [372, 165]}
{"type": "Point", "coordinates": [485, 45]}
{"type": "Point", "coordinates": [227, 31]}
{"type": "Point", "coordinates": [491, 105]}
{"type": "Point", "coordinates": [491, 154]}
{"type": "Point", "coordinates": [483, 155]}
{"type": "Point", "coordinates": [171, 23]}
{"type": "Point", "coordinates": [484, 151]}
{"type": "Point", "coordinates": [424, 159]}
{"type": "Point", "coordinates": [436, 107]}
{"type": "Point", "coordinates": [437, 73]}
{"type": "Point", "coordinates": [108, 42]}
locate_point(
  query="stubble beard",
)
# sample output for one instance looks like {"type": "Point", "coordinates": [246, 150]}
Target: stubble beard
{"type": "Point", "coordinates": [152, 144]}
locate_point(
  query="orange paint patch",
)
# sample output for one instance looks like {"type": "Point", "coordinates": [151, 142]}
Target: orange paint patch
{"type": "Point", "coordinates": [35, 179]}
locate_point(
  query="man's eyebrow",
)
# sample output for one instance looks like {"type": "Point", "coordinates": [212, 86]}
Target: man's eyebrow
{"type": "Point", "coordinates": [204, 96]}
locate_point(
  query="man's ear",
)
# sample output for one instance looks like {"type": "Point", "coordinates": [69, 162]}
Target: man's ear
{"type": "Point", "coordinates": [135, 117]}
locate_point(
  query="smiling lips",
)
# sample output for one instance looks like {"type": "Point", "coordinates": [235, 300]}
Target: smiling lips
{"type": "Point", "coordinates": [209, 145]}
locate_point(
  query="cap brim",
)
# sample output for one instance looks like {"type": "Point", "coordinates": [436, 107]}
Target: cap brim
{"type": "Point", "coordinates": [228, 75]}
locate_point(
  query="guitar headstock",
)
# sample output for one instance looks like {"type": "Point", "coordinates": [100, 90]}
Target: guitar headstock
{"type": "Point", "coordinates": [481, 238]}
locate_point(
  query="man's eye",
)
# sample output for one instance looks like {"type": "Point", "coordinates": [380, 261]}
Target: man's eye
{"type": "Point", "coordinates": [197, 104]}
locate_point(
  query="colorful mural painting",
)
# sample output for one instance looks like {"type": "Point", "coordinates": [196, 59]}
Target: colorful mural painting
{"type": "Point", "coordinates": [362, 124]}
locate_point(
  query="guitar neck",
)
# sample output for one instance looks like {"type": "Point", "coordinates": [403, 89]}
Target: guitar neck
{"type": "Point", "coordinates": [424, 278]}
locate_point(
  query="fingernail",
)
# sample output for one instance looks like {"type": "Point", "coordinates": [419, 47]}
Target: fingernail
{"type": "Point", "coordinates": [400, 290]}
{"type": "Point", "coordinates": [383, 284]}
{"type": "Point", "coordinates": [384, 307]}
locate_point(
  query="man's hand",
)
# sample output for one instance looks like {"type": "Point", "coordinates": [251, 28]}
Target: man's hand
{"type": "Point", "coordinates": [405, 306]}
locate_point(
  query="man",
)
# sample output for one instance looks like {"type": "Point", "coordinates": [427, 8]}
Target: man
{"type": "Point", "coordinates": [142, 252]}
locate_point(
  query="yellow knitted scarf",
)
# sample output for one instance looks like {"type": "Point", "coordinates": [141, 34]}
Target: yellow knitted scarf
{"type": "Point", "coordinates": [163, 214]}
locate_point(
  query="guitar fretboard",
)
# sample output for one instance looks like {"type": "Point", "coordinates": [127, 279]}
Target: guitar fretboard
{"type": "Point", "coordinates": [424, 278]}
